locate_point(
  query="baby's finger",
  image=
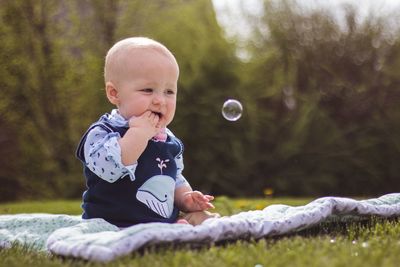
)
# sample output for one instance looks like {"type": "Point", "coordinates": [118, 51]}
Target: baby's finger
{"type": "Point", "coordinates": [206, 198]}
{"type": "Point", "coordinates": [153, 119]}
{"type": "Point", "coordinates": [199, 200]}
{"type": "Point", "coordinates": [207, 205]}
{"type": "Point", "coordinates": [151, 115]}
{"type": "Point", "coordinates": [209, 197]}
{"type": "Point", "coordinates": [146, 114]}
{"type": "Point", "coordinates": [197, 195]}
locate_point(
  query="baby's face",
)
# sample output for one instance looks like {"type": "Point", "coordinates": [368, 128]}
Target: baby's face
{"type": "Point", "coordinates": [149, 83]}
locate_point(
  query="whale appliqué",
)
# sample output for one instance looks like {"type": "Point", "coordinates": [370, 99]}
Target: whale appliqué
{"type": "Point", "coordinates": [157, 193]}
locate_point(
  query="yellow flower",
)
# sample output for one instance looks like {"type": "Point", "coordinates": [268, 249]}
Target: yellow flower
{"type": "Point", "coordinates": [268, 191]}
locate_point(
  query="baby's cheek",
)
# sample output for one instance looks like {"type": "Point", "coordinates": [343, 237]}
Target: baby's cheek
{"type": "Point", "coordinates": [166, 121]}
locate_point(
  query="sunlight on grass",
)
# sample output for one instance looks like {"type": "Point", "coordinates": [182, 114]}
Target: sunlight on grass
{"type": "Point", "coordinates": [374, 242]}
{"type": "Point", "coordinates": [72, 207]}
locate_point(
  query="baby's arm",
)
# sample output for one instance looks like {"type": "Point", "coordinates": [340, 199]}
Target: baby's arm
{"type": "Point", "coordinates": [188, 200]}
{"type": "Point", "coordinates": [134, 142]}
{"type": "Point", "coordinates": [109, 157]}
{"type": "Point", "coordinates": [102, 155]}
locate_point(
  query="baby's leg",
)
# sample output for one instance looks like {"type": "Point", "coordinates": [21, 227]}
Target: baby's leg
{"type": "Point", "coordinates": [197, 217]}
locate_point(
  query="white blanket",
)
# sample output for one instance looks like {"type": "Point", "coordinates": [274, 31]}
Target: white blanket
{"type": "Point", "coordinates": [97, 240]}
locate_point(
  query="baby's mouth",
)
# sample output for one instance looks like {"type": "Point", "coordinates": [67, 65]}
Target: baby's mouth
{"type": "Point", "coordinates": [159, 114]}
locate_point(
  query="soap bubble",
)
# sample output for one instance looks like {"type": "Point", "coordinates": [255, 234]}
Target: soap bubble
{"type": "Point", "coordinates": [232, 110]}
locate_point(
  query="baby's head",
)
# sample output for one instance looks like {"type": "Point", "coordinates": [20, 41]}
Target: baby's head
{"type": "Point", "coordinates": [122, 53]}
{"type": "Point", "coordinates": [140, 75]}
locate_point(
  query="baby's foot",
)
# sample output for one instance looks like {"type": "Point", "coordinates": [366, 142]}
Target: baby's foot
{"type": "Point", "coordinates": [182, 221]}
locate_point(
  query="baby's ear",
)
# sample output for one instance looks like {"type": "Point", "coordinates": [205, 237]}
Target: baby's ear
{"type": "Point", "coordinates": [112, 93]}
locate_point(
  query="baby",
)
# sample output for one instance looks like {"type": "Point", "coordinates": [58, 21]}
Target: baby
{"type": "Point", "coordinates": [132, 163]}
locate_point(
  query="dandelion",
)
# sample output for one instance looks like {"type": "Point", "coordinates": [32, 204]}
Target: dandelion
{"type": "Point", "coordinates": [268, 192]}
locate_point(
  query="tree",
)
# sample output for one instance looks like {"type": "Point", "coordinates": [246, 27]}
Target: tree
{"type": "Point", "coordinates": [53, 54]}
{"type": "Point", "coordinates": [323, 94]}
{"type": "Point", "coordinates": [36, 98]}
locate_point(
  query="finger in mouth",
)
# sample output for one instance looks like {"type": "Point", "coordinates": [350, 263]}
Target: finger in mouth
{"type": "Point", "coordinates": [159, 114]}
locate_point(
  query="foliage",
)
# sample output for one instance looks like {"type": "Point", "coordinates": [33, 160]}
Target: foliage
{"type": "Point", "coordinates": [323, 101]}
{"type": "Point", "coordinates": [53, 53]}
{"type": "Point", "coordinates": [320, 96]}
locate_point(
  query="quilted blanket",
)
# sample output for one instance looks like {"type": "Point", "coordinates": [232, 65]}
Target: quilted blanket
{"type": "Point", "coordinates": [97, 240]}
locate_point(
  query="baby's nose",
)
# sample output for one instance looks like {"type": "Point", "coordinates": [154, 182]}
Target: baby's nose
{"type": "Point", "coordinates": [158, 99]}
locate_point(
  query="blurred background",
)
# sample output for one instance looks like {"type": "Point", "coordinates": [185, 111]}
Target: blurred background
{"type": "Point", "coordinates": [319, 82]}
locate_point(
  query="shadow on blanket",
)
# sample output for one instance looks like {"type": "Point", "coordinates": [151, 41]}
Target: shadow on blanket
{"type": "Point", "coordinates": [331, 228]}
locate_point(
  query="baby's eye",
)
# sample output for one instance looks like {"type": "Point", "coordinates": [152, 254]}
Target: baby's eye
{"type": "Point", "coordinates": [147, 90]}
{"type": "Point", "coordinates": [170, 92]}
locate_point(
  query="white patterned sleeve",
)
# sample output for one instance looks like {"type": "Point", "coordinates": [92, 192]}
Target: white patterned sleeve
{"type": "Point", "coordinates": [180, 179]}
{"type": "Point", "coordinates": [103, 156]}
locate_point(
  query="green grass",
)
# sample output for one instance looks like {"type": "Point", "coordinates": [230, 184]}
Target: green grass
{"type": "Point", "coordinates": [372, 243]}
{"type": "Point", "coordinates": [72, 207]}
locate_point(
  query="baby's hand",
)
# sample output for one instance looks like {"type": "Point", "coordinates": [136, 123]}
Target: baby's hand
{"type": "Point", "coordinates": [197, 201]}
{"type": "Point", "coordinates": [146, 124]}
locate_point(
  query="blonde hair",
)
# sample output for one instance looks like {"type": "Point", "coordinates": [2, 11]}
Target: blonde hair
{"type": "Point", "coordinates": [119, 52]}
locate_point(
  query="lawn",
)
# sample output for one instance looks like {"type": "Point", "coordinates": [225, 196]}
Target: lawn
{"type": "Point", "coordinates": [372, 243]}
